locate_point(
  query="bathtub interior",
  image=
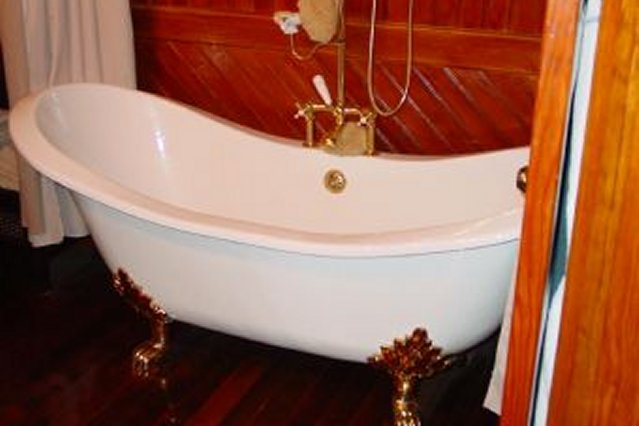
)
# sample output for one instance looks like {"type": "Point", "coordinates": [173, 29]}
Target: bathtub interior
{"type": "Point", "coordinates": [173, 154]}
{"type": "Point", "coordinates": [125, 152]}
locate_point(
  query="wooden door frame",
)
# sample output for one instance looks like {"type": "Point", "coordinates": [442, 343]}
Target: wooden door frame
{"type": "Point", "coordinates": [594, 380]}
{"type": "Point", "coordinates": [547, 147]}
{"type": "Point", "coordinates": [597, 341]}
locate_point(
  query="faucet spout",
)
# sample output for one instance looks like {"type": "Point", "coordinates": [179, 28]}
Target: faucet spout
{"type": "Point", "coordinates": [354, 136]}
{"type": "Point", "coordinates": [353, 132]}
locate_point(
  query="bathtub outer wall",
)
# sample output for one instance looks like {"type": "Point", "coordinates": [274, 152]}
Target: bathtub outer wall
{"type": "Point", "coordinates": [338, 307]}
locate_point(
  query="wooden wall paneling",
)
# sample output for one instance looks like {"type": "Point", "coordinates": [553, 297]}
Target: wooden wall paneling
{"type": "Point", "coordinates": [438, 111]}
{"type": "Point", "coordinates": [518, 90]}
{"type": "Point", "coordinates": [220, 70]}
{"type": "Point", "coordinates": [238, 66]}
{"type": "Point", "coordinates": [451, 47]}
{"type": "Point", "coordinates": [461, 102]}
{"type": "Point", "coordinates": [403, 127]}
{"type": "Point", "coordinates": [267, 90]}
{"type": "Point", "coordinates": [491, 106]}
{"type": "Point", "coordinates": [448, 13]}
{"type": "Point", "coordinates": [206, 89]}
{"type": "Point", "coordinates": [496, 14]}
{"type": "Point", "coordinates": [515, 16]}
{"type": "Point", "coordinates": [539, 216]}
{"type": "Point", "coordinates": [471, 14]}
{"type": "Point", "coordinates": [526, 16]}
{"type": "Point", "coordinates": [424, 12]}
{"type": "Point", "coordinates": [595, 379]}
{"type": "Point", "coordinates": [430, 116]}
{"type": "Point", "coordinates": [435, 46]}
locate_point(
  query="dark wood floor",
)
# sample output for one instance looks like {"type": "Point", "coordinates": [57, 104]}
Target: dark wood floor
{"type": "Point", "coordinates": [66, 339]}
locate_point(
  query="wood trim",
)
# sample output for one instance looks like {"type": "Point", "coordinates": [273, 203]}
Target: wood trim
{"type": "Point", "coordinates": [434, 46]}
{"type": "Point", "coordinates": [594, 381]}
{"type": "Point", "coordinates": [512, 16]}
{"type": "Point", "coordinates": [551, 109]}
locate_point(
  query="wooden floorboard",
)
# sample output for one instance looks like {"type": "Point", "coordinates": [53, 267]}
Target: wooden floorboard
{"type": "Point", "coordinates": [66, 340]}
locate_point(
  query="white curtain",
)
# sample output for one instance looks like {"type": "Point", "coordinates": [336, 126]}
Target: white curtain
{"type": "Point", "coordinates": [49, 42]}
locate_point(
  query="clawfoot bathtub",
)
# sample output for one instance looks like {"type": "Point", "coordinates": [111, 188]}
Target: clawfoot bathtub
{"type": "Point", "coordinates": [251, 235]}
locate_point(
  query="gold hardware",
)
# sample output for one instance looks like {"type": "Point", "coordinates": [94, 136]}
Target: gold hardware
{"type": "Point", "coordinates": [148, 356]}
{"type": "Point", "coordinates": [342, 115]}
{"type": "Point", "coordinates": [522, 179]}
{"type": "Point", "coordinates": [335, 181]}
{"type": "Point", "coordinates": [408, 361]}
{"type": "Point", "coordinates": [345, 119]}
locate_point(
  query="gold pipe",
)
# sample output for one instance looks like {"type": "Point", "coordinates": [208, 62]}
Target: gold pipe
{"type": "Point", "coordinates": [370, 133]}
{"type": "Point", "coordinates": [308, 111]}
{"type": "Point", "coordinates": [310, 133]}
{"type": "Point", "coordinates": [341, 79]}
{"type": "Point", "coordinates": [341, 56]}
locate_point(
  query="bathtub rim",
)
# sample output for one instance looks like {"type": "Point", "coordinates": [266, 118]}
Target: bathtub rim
{"type": "Point", "coordinates": [501, 228]}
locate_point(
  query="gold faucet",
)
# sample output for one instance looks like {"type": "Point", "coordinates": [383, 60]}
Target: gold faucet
{"type": "Point", "coordinates": [354, 128]}
{"type": "Point", "coordinates": [353, 132]}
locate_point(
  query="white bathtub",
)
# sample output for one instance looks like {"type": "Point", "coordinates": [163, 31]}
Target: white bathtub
{"type": "Point", "coordinates": [234, 230]}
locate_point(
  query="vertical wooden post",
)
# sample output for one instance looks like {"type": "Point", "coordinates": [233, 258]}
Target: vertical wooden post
{"type": "Point", "coordinates": [595, 380]}
{"type": "Point", "coordinates": [553, 97]}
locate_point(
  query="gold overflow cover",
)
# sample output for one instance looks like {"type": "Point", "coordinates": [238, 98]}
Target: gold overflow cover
{"type": "Point", "coordinates": [335, 181]}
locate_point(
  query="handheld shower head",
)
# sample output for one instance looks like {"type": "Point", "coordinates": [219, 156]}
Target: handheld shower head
{"type": "Point", "coordinates": [320, 18]}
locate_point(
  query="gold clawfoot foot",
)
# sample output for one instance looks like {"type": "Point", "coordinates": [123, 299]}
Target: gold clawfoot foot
{"type": "Point", "coordinates": [149, 356]}
{"type": "Point", "coordinates": [408, 361]}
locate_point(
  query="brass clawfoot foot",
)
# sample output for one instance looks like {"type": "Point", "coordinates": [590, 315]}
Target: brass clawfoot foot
{"type": "Point", "coordinates": [408, 361]}
{"type": "Point", "coordinates": [149, 356]}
